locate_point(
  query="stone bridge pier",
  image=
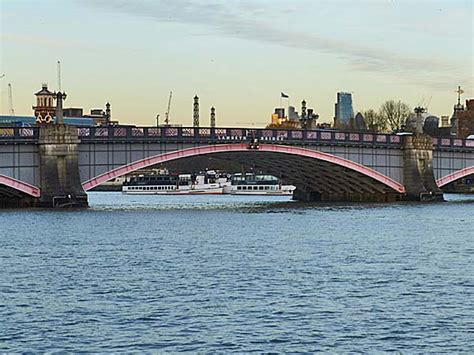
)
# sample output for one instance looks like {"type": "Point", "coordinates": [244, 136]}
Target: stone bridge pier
{"type": "Point", "coordinates": [419, 180]}
{"type": "Point", "coordinates": [59, 168]}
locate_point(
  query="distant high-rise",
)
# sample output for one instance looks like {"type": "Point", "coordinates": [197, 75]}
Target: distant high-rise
{"type": "Point", "coordinates": [293, 114]}
{"type": "Point", "coordinates": [280, 112]}
{"type": "Point", "coordinates": [343, 108]}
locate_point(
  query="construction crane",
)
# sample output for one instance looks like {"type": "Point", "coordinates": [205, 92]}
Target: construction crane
{"type": "Point", "coordinates": [59, 75]}
{"type": "Point", "coordinates": [167, 114]}
{"type": "Point", "coordinates": [10, 100]}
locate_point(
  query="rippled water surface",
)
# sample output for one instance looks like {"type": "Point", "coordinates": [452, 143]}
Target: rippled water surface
{"type": "Point", "coordinates": [223, 273]}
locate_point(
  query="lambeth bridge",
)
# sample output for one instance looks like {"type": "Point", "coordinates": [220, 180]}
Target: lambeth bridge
{"type": "Point", "coordinates": [54, 165]}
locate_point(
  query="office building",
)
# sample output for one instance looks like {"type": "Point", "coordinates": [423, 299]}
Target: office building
{"type": "Point", "coordinates": [343, 108]}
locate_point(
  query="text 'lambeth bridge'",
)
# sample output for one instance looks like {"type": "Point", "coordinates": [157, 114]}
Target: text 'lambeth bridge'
{"type": "Point", "coordinates": [54, 165]}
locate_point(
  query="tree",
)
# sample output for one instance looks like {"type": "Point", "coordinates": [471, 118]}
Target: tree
{"type": "Point", "coordinates": [374, 121]}
{"type": "Point", "coordinates": [394, 114]}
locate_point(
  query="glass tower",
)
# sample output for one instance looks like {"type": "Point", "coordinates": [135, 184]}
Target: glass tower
{"type": "Point", "coordinates": [344, 110]}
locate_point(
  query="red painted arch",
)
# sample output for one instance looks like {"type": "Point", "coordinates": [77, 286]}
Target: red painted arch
{"type": "Point", "coordinates": [221, 148]}
{"type": "Point", "coordinates": [20, 186]}
{"type": "Point", "coordinates": [455, 176]}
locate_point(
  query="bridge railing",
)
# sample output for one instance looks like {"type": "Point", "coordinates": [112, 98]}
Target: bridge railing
{"type": "Point", "coordinates": [19, 134]}
{"type": "Point", "coordinates": [444, 143]}
{"type": "Point", "coordinates": [216, 135]}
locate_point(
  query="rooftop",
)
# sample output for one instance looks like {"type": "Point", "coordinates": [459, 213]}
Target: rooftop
{"type": "Point", "coordinates": [44, 91]}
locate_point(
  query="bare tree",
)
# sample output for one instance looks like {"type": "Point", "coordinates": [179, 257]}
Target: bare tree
{"type": "Point", "coordinates": [374, 121]}
{"type": "Point", "coordinates": [394, 114]}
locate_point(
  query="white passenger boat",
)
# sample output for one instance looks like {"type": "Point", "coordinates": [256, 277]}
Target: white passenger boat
{"type": "Point", "coordinates": [209, 182]}
{"type": "Point", "coordinates": [257, 184]}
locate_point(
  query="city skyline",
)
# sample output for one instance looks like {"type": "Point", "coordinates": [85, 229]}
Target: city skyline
{"type": "Point", "coordinates": [236, 56]}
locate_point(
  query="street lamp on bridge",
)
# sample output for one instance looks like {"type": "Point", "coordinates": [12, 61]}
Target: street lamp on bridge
{"type": "Point", "coordinates": [59, 107]}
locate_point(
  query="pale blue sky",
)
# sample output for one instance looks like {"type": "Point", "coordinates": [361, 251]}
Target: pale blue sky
{"type": "Point", "coordinates": [236, 55]}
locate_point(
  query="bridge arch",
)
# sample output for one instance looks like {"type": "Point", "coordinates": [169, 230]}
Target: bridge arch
{"type": "Point", "coordinates": [329, 171]}
{"type": "Point", "coordinates": [445, 180]}
{"type": "Point", "coordinates": [21, 186]}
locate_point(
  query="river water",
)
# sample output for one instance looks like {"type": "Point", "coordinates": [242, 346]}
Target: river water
{"type": "Point", "coordinates": [227, 273]}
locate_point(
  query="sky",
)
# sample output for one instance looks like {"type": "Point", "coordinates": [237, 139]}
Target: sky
{"type": "Point", "coordinates": [237, 56]}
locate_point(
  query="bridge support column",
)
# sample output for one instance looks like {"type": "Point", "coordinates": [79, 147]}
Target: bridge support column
{"type": "Point", "coordinates": [418, 175]}
{"type": "Point", "coordinates": [59, 167]}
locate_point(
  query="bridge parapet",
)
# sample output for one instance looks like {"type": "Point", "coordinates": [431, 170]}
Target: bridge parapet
{"type": "Point", "coordinates": [217, 135]}
{"type": "Point", "coordinates": [238, 135]}
{"type": "Point", "coordinates": [453, 144]}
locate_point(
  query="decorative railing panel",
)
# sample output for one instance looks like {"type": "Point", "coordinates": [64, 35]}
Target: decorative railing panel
{"type": "Point", "coordinates": [154, 132]}
{"type": "Point", "coordinates": [219, 132]}
{"type": "Point", "coordinates": [171, 132]}
{"type": "Point", "coordinates": [7, 132]}
{"type": "Point", "coordinates": [267, 133]}
{"type": "Point", "coordinates": [138, 132]}
{"type": "Point", "coordinates": [101, 132]}
{"type": "Point", "coordinates": [27, 132]}
{"type": "Point", "coordinates": [354, 136]}
{"type": "Point", "coordinates": [368, 137]}
{"type": "Point", "coordinates": [187, 132]}
{"type": "Point", "coordinates": [326, 136]}
{"type": "Point", "coordinates": [120, 131]}
{"type": "Point", "coordinates": [297, 134]}
{"type": "Point", "coordinates": [205, 132]}
{"type": "Point", "coordinates": [84, 132]}
{"type": "Point", "coordinates": [236, 133]}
